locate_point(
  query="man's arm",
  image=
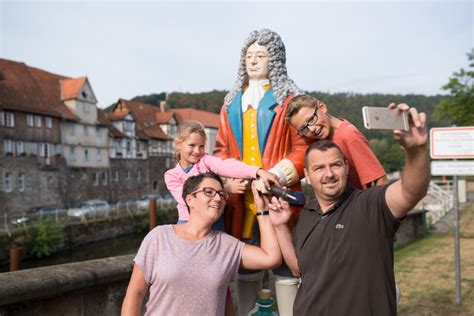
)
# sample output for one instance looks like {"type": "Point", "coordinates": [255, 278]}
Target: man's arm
{"type": "Point", "coordinates": [404, 194]}
{"type": "Point", "coordinates": [280, 214]}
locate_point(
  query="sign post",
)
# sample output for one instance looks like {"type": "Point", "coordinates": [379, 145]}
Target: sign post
{"type": "Point", "coordinates": [453, 143]}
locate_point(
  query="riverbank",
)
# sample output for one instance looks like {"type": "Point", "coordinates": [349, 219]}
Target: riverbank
{"type": "Point", "coordinates": [68, 238]}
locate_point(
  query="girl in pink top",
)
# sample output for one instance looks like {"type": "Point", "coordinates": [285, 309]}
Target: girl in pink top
{"type": "Point", "coordinates": [192, 160]}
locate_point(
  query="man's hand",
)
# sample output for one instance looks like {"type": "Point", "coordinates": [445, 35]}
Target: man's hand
{"type": "Point", "coordinates": [236, 186]}
{"type": "Point", "coordinates": [280, 211]}
{"type": "Point", "coordinates": [417, 134]}
{"type": "Point", "coordinates": [403, 194]}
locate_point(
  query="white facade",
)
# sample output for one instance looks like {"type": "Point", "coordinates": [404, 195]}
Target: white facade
{"type": "Point", "coordinates": [85, 143]}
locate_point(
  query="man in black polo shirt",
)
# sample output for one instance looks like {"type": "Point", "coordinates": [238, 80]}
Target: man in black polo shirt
{"type": "Point", "coordinates": [342, 244]}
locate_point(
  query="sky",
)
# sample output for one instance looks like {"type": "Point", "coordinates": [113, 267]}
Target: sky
{"type": "Point", "coordinates": [128, 49]}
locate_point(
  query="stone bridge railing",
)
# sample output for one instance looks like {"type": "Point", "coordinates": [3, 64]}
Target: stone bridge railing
{"type": "Point", "coordinates": [95, 287]}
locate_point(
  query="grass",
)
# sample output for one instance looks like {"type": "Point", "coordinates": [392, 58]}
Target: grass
{"type": "Point", "coordinates": [424, 270]}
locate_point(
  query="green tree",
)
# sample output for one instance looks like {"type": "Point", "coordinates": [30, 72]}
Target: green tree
{"type": "Point", "coordinates": [458, 108]}
{"type": "Point", "coordinates": [389, 153]}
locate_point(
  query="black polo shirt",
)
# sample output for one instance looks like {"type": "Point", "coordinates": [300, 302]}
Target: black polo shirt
{"type": "Point", "coordinates": [345, 256]}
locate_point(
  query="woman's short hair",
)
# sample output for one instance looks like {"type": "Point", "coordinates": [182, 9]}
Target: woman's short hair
{"type": "Point", "coordinates": [192, 183]}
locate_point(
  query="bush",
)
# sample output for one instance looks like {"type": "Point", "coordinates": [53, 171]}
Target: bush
{"type": "Point", "coordinates": [46, 238]}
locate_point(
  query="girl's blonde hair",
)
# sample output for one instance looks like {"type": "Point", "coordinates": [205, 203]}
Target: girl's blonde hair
{"type": "Point", "coordinates": [184, 131]}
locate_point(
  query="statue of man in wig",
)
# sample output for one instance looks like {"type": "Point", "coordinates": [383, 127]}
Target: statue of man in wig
{"type": "Point", "coordinates": [253, 129]}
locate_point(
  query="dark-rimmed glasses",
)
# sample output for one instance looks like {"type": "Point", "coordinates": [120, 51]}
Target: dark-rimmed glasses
{"type": "Point", "coordinates": [303, 130]}
{"type": "Point", "coordinates": [211, 192]}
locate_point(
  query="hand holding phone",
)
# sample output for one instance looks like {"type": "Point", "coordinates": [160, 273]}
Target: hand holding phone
{"type": "Point", "coordinates": [384, 119]}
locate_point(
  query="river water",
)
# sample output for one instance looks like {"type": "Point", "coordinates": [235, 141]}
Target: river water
{"type": "Point", "coordinates": [118, 246]}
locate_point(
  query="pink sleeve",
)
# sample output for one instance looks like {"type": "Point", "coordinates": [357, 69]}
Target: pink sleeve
{"type": "Point", "coordinates": [175, 186]}
{"type": "Point", "coordinates": [229, 168]}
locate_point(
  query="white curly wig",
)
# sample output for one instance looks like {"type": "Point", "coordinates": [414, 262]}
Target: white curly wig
{"type": "Point", "coordinates": [282, 85]}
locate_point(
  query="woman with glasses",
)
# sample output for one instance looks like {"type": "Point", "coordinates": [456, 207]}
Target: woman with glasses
{"type": "Point", "coordinates": [188, 267]}
{"type": "Point", "coordinates": [311, 120]}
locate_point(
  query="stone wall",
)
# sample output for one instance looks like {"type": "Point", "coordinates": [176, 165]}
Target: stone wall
{"type": "Point", "coordinates": [95, 287]}
{"type": "Point", "coordinates": [66, 187]}
{"type": "Point", "coordinates": [42, 185]}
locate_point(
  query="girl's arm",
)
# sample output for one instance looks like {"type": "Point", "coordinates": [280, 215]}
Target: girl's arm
{"type": "Point", "coordinates": [136, 291]}
{"type": "Point", "coordinates": [175, 186]}
{"type": "Point", "coordinates": [268, 255]}
{"type": "Point", "coordinates": [236, 169]}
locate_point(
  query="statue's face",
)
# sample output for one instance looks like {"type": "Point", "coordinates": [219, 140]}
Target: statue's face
{"type": "Point", "coordinates": [256, 62]}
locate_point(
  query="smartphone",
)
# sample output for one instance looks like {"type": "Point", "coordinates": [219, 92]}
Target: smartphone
{"type": "Point", "coordinates": [384, 118]}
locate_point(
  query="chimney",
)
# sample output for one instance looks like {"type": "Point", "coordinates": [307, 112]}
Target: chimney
{"type": "Point", "coordinates": [162, 106]}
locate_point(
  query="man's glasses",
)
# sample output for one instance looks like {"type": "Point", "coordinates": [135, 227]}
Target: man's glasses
{"type": "Point", "coordinates": [303, 130]}
{"type": "Point", "coordinates": [210, 192]}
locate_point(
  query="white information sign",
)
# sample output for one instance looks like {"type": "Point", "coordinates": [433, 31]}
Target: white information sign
{"type": "Point", "coordinates": [452, 142]}
{"type": "Point", "coordinates": [452, 168]}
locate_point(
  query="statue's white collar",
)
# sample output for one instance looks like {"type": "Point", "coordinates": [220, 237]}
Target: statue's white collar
{"type": "Point", "coordinates": [254, 94]}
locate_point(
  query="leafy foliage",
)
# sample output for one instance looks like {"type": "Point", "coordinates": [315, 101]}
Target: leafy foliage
{"type": "Point", "coordinates": [389, 153]}
{"type": "Point", "coordinates": [458, 108]}
{"type": "Point", "coordinates": [46, 238]}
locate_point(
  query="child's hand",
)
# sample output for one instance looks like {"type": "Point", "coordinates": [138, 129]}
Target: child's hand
{"type": "Point", "coordinates": [236, 186]}
{"type": "Point", "coordinates": [267, 178]}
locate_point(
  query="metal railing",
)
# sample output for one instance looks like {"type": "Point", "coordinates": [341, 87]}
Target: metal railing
{"type": "Point", "coordinates": [438, 201]}
{"type": "Point", "coordinates": [64, 217]}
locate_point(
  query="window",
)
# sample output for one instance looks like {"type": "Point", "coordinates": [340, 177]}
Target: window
{"type": "Point", "coordinates": [2, 118]}
{"type": "Point", "coordinates": [86, 155]}
{"type": "Point", "coordinates": [128, 175]}
{"type": "Point", "coordinates": [29, 120]}
{"type": "Point", "coordinates": [104, 178]}
{"type": "Point", "coordinates": [95, 178]}
{"type": "Point", "coordinates": [72, 153]}
{"type": "Point", "coordinates": [37, 121]}
{"type": "Point", "coordinates": [7, 146]}
{"type": "Point", "coordinates": [128, 127]}
{"type": "Point", "coordinates": [86, 130]}
{"type": "Point", "coordinates": [129, 147]}
{"type": "Point", "coordinates": [118, 147]}
{"type": "Point", "coordinates": [116, 175]}
{"type": "Point", "coordinates": [72, 129]}
{"type": "Point", "coordinates": [48, 122]}
{"type": "Point", "coordinates": [97, 131]}
{"type": "Point", "coordinates": [98, 155]}
{"type": "Point", "coordinates": [7, 182]}
{"type": "Point", "coordinates": [9, 119]}
{"type": "Point", "coordinates": [21, 182]}
{"type": "Point", "coordinates": [20, 148]}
